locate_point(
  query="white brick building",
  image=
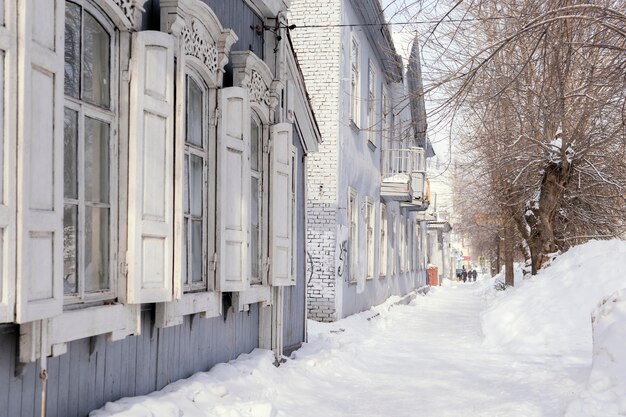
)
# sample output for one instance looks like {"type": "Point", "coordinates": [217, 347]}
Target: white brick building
{"type": "Point", "coordinates": [363, 245]}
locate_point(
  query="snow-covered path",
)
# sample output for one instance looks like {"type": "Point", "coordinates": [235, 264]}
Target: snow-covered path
{"type": "Point", "coordinates": [424, 359]}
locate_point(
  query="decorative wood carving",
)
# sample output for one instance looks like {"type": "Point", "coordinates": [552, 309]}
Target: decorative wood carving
{"type": "Point", "coordinates": [259, 91]}
{"type": "Point", "coordinates": [128, 8]}
{"type": "Point", "coordinates": [197, 45]}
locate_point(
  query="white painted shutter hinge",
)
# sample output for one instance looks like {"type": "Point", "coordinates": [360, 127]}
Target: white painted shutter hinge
{"type": "Point", "coordinates": [213, 263]}
{"type": "Point", "coordinates": [268, 261]}
{"type": "Point", "coordinates": [127, 73]}
{"type": "Point", "coordinates": [216, 116]}
{"type": "Point", "coordinates": [124, 269]}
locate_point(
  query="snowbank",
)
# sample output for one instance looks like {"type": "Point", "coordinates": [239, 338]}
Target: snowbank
{"type": "Point", "coordinates": [550, 314]}
{"type": "Point", "coordinates": [605, 395]}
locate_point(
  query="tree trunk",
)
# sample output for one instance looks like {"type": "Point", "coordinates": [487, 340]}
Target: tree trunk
{"type": "Point", "coordinates": [540, 214]}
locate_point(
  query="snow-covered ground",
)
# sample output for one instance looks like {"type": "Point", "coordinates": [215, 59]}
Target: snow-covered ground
{"type": "Point", "coordinates": [462, 350]}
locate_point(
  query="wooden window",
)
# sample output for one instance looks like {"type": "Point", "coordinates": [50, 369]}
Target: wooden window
{"type": "Point", "coordinates": [90, 120]}
{"type": "Point", "coordinates": [394, 246]}
{"type": "Point", "coordinates": [281, 205]}
{"type": "Point", "coordinates": [382, 253]}
{"type": "Point", "coordinates": [402, 245]}
{"type": "Point", "coordinates": [369, 238]}
{"type": "Point", "coordinates": [371, 104]}
{"type": "Point", "coordinates": [354, 81]}
{"type": "Point", "coordinates": [384, 126]}
{"type": "Point", "coordinates": [195, 188]}
{"type": "Point", "coordinates": [353, 242]}
{"type": "Point", "coordinates": [256, 198]}
{"type": "Point", "coordinates": [233, 189]}
{"type": "Point", "coordinates": [151, 143]}
{"type": "Point", "coordinates": [8, 113]}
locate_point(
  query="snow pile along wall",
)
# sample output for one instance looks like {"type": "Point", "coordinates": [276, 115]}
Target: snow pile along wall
{"type": "Point", "coordinates": [550, 313]}
{"type": "Point", "coordinates": [605, 395]}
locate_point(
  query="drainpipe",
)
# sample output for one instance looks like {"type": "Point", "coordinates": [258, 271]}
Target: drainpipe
{"type": "Point", "coordinates": [43, 374]}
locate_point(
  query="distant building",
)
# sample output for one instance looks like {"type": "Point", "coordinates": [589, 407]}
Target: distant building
{"type": "Point", "coordinates": [367, 181]}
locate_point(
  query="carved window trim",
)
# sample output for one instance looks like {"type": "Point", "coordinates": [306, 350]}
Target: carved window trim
{"type": "Point", "coordinates": [251, 73]}
{"type": "Point", "coordinates": [204, 43]}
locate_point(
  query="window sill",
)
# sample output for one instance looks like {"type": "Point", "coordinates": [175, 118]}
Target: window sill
{"type": "Point", "coordinates": [116, 321]}
{"type": "Point", "coordinates": [173, 313]}
{"type": "Point", "coordinates": [255, 294]}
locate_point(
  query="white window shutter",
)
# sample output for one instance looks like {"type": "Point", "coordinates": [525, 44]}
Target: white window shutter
{"type": "Point", "coordinates": [281, 205]}
{"type": "Point", "coordinates": [233, 209]}
{"type": "Point", "coordinates": [39, 285]}
{"type": "Point", "coordinates": [151, 169]}
{"type": "Point", "coordinates": [8, 104]}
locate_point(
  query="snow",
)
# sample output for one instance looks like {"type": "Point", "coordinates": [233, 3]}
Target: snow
{"type": "Point", "coordinates": [605, 395]}
{"type": "Point", "coordinates": [550, 313]}
{"type": "Point", "coordinates": [464, 349]}
{"type": "Point", "coordinates": [399, 178]}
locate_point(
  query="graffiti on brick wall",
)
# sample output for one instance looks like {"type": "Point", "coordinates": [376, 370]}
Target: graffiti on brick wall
{"type": "Point", "coordinates": [342, 265]}
{"type": "Point", "coordinates": [342, 258]}
{"type": "Point", "coordinates": [309, 260]}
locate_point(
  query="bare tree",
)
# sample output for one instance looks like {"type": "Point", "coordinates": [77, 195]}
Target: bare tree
{"type": "Point", "coordinates": [536, 90]}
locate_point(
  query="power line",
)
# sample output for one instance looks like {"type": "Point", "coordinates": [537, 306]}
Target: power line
{"type": "Point", "coordinates": [414, 22]}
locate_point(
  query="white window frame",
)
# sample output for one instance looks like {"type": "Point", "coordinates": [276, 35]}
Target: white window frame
{"type": "Point", "coordinates": [353, 233]}
{"type": "Point", "coordinates": [262, 176]}
{"type": "Point", "coordinates": [382, 252]}
{"type": "Point", "coordinates": [117, 320]}
{"type": "Point", "coordinates": [208, 159]}
{"type": "Point", "coordinates": [8, 106]}
{"type": "Point", "coordinates": [371, 104]}
{"type": "Point", "coordinates": [384, 129]}
{"type": "Point", "coordinates": [110, 116]}
{"type": "Point", "coordinates": [206, 300]}
{"type": "Point", "coordinates": [369, 238]}
{"type": "Point", "coordinates": [355, 80]}
{"type": "Point", "coordinates": [402, 244]}
{"type": "Point", "coordinates": [294, 210]}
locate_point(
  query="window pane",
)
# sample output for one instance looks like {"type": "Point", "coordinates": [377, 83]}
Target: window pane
{"type": "Point", "coordinates": [254, 225]}
{"type": "Point", "coordinates": [186, 186]}
{"type": "Point", "coordinates": [255, 139]}
{"type": "Point", "coordinates": [196, 250]}
{"type": "Point", "coordinates": [70, 249]}
{"type": "Point", "coordinates": [195, 184]}
{"type": "Point", "coordinates": [96, 249]}
{"type": "Point", "coordinates": [186, 253]}
{"type": "Point", "coordinates": [194, 112]}
{"type": "Point", "coordinates": [96, 161]}
{"type": "Point", "coordinates": [72, 49]}
{"type": "Point", "coordinates": [96, 77]}
{"type": "Point", "coordinates": [70, 154]}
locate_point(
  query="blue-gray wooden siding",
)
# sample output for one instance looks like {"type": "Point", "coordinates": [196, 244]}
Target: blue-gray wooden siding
{"type": "Point", "coordinates": [294, 310]}
{"type": "Point", "coordinates": [94, 371]}
{"type": "Point", "coordinates": [238, 16]}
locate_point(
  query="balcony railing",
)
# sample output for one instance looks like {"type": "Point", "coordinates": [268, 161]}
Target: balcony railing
{"type": "Point", "coordinates": [403, 161]}
{"type": "Point", "coordinates": [404, 177]}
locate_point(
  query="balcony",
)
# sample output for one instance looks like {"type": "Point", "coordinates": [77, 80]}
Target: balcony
{"type": "Point", "coordinates": [404, 178]}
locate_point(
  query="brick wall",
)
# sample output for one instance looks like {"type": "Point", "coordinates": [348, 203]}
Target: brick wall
{"type": "Point", "coordinates": [321, 74]}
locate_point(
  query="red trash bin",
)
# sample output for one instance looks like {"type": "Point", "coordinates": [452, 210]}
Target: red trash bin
{"type": "Point", "coordinates": [433, 275]}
